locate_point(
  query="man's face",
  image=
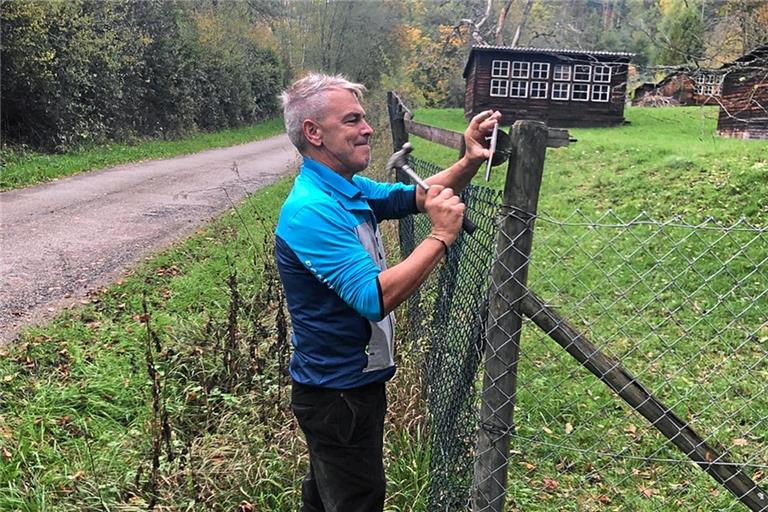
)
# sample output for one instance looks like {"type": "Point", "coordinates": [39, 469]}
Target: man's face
{"type": "Point", "coordinates": [344, 134]}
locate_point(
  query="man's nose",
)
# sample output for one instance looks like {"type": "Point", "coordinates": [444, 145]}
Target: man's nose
{"type": "Point", "coordinates": [367, 130]}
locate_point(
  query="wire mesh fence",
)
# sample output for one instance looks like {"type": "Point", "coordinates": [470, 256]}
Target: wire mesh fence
{"type": "Point", "coordinates": [680, 310]}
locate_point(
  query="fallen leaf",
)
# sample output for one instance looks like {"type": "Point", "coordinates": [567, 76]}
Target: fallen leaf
{"type": "Point", "coordinates": [740, 442]}
{"type": "Point", "coordinates": [550, 485]}
{"type": "Point", "coordinates": [568, 428]}
{"type": "Point", "coordinates": [604, 499]}
{"type": "Point", "coordinates": [647, 491]}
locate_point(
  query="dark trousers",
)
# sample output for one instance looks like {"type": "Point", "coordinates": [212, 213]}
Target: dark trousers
{"type": "Point", "coordinates": [345, 436]}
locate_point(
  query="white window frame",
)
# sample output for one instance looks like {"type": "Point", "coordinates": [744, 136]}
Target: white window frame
{"type": "Point", "coordinates": [512, 84]}
{"type": "Point", "coordinates": [558, 86]}
{"type": "Point", "coordinates": [602, 77]}
{"type": "Point", "coordinates": [540, 70]}
{"type": "Point", "coordinates": [564, 72]}
{"type": "Point", "coordinates": [498, 83]}
{"type": "Point", "coordinates": [542, 91]}
{"type": "Point", "coordinates": [582, 68]}
{"type": "Point", "coordinates": [500, 69]}
{"type": "Point", "coordinates": [586, 91]}
{"type": "Point", "coordinates": [599, 89]}
{"type": "Point", "coordinates": [519, 67]}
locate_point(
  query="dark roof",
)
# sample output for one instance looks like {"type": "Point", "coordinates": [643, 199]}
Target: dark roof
{"type": "Point", "coordinates": [520, 49]}
{"type": "Point", "coordinates": [758, 56]}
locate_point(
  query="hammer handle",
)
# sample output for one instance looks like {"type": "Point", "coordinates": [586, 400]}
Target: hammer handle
{"type": "Point", "coordinates": [466, 224]}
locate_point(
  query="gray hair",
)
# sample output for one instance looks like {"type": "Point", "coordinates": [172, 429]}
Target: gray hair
{"type": "Point", "coordinates": [306, 99]}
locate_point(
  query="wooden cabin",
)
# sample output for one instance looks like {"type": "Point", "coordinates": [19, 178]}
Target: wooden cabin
{"type": "Point", "coordinates": [563, 88]}
{"type": "Point", "coordinates": [744, 97]}
{"type": "Point", "coordinates": [683, 87]}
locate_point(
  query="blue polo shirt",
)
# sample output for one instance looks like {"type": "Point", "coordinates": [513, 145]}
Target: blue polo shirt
{"type": "Point", "coordinates": [329, 255]}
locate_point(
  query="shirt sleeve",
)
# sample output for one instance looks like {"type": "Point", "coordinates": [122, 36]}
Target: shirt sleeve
{"type": "Point", "coordinates": [324, 239]}
{"type": "Point", "coordinates": [388, 200]}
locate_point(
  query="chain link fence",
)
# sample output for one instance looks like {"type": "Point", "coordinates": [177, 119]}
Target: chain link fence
{"type": "Point", "coordinates": [648, 350]}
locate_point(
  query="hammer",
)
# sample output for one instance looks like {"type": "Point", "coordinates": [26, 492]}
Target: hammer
{"type": "Point", "coordinates": [399, 160]}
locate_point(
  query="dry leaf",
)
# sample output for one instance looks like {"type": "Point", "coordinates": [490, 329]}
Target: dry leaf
{"type": "Point", "coordinates": [568, 428]}
{"type": "Point", "coordinates": [550, 485]}
{"type": "Point", "coordinates": [740, 442]}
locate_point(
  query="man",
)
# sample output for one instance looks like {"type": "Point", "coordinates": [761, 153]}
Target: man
{"type": "Point", "coordinates": [339, 290]}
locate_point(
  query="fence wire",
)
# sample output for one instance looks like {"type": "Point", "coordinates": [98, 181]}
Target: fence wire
{"type": "Point", "coordinates": [682, 307]}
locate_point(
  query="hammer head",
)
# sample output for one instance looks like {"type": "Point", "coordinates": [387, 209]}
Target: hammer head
{"type": "Point", "coordinates": [399, 158]}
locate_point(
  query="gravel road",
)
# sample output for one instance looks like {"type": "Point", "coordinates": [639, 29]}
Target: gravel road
{"type": "Point", "coordinates": [61, 239]}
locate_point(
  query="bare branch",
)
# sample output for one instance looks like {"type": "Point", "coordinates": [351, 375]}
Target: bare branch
{"type": "Point", "coordinates": [499, 36]}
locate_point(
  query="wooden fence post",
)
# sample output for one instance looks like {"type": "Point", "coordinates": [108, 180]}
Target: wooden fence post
{"type": "Point", "coordinates": [508, 283]}
{"type": "Point", "coordinates": [397, 113]}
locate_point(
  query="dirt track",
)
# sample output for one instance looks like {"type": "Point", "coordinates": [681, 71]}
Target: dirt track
{"type": "Point", "coordinates": [61, 239]}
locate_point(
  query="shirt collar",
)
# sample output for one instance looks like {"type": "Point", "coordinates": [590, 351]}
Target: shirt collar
{"type": "Point", "coordinates": [334, 184]}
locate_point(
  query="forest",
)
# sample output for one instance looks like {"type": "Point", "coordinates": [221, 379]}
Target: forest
{"type": "Point", "coordinates": [86, 72]}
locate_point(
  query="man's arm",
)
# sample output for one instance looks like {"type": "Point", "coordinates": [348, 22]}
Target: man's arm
{"type": "Point", "coordinates": [445, 211]}
{"type": "Point", "coordinates": [461, 173]}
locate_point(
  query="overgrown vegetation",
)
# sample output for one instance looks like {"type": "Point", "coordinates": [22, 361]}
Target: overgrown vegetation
{"type": "Point", "coordinates": [79, 72]}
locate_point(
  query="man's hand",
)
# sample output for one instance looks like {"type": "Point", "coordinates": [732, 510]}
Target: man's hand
{"type": "Point", "coordinates": [445, 211]}
{"type": "Point", "coordinates": [479, 128]}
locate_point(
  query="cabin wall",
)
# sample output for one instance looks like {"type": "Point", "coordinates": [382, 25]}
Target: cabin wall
{"type": "Point", "coordinates": [680, 87]}
{"type": "Point", "coordinates": [744, 105]}
{"type": "Point", "coordinates": [469, 93]}
{"type": "Point", "coordinates": [554, 112]}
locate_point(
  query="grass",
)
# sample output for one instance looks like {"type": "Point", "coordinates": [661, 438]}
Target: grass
{"type": "Point", "coordinates": [182, 404]}
{"type": "Point", "coordinates": [682, 308]}
{"type": "Point", "coordinates": [21, 168]}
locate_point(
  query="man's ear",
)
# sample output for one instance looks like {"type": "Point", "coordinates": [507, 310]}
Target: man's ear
{"type": "Point", "coordinates": [312, 132]}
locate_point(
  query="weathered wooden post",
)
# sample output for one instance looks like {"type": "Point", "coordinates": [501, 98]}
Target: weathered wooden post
{"type": "Point", "coordinates": [508, 284]}
{"type": "Point", "coordinates": [397, 113]}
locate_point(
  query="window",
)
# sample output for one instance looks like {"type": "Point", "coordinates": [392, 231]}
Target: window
{"type": "Point", "coordinates": [539, 89]}
{"type": "Point", "coordinates": [707, 84]}
{"type": "Point", "coordinates": [500, 68]}
{"type": "Point", "coordinates": [580, 92]}
{"type": "Point", "coordinates": [499, 87]}
{"type": "Point", "coordinates": [520, 69]}
{"type": "Point", "coordinates": [602, 74]}
{"type": "Point", "coordinates": [581, 73]}
{"type": "Point", "coordinates": [562, 72]}
{"type": "Point", "coordinates": [518, 89]}
{"type": "Point", "coordinates": [601, 92]}
{"type": "Point", "coordinates": [540, 70]}
{"type": "Point", "coordinates": [560, 91]}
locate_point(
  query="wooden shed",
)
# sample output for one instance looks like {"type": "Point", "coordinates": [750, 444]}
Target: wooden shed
{"type": "Point", "coordinates": [683, 87]}
{"type": "Point", "coordinates": [563, 88]}
{"type": "Point", "coordinates": [744, 97]}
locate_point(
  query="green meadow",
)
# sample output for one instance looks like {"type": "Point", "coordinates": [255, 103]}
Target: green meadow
{"type": "Point", "coordinates": [168, 390]}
